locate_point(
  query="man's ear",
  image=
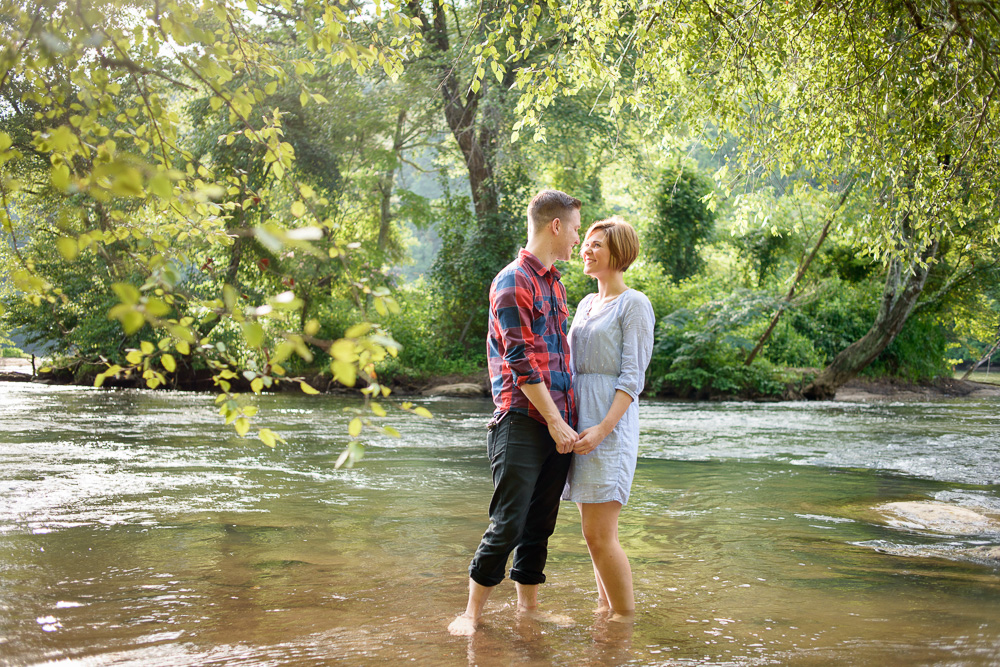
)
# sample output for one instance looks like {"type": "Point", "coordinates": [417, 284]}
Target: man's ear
{"type": "Point", "coordinates": [556, 225]}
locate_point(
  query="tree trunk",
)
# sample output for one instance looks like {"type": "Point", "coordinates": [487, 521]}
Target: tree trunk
{"type": "Point", "coordinates": [803, 267]}
{"type": "Point", "coordinates": [898, 299]}
{"type": "Point", "coordinates": [982, 360]}
{"type": "Point", "coordinates": [461, 110]}
{"type": "Point", "coordinates": [386, 185]}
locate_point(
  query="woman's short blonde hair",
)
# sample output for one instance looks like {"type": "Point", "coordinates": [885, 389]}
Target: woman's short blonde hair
{"type": "Point", "coordinates": [621, 239]}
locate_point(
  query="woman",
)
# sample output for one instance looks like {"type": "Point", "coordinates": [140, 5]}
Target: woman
{"type": "Point", "coordinates": [611, 341]}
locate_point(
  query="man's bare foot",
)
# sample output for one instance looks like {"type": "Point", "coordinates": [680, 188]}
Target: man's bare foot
{"type": "Point", "coordinates": [463, 626]}
{"type": "Point", "coordinates": [602, 606]}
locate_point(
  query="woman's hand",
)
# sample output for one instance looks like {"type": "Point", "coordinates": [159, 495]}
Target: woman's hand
{"type": "Point", "coordinates": [590, 439]}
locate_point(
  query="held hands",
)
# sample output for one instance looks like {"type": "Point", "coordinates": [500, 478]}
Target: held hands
{"type": "Point", "coordinates": [568, 441]}
{"type": "Point", "coordinates": [564, 436]}
{"type": "Point", "coordinates": [589, 439]}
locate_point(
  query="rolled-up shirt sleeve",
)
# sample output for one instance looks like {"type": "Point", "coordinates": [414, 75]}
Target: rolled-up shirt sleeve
{"type": "Point", "coordinates": [637, 322]}
{"type": "Point", "coordinates": [514, 304]}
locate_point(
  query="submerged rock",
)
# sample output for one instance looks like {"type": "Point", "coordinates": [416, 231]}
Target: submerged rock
{"type": "Point", "coordinates": [458, 389]}
{"type": "Point", "coordinates": [938, 517]}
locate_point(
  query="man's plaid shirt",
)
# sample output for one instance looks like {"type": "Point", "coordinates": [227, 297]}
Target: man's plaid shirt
{"type": "Point", "coordinates": [527, 340]}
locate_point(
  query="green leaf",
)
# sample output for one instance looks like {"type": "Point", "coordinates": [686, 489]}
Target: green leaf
{"type": "Point", "coordinates": [254, 333]}
{"type": "Point", "coordinates": [344, 372]}
{"type": "Point", "coordinates": [242, 426]}
{"type": "Point", "coordinates": [307, 389]}
{"type": "Point", "coordinates": [267, 437]}
{"type": "Point", "coordinates": [354, 428]}
{"type": "Point", "coordinates": [126, 292]}
{"type": "Point", "coordinates": [168, 362]}
{"type": "Point", "coordinates": [358, 330]}
{"type": "Point", "coordinates": [68, 248]}
{"type": "Point", "coordinates": [422, 411]}
{"type": "Point", "coordinates": [355, 452]}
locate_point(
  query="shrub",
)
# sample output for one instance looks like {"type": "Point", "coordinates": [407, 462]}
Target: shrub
{"type": "Point", "coordinates": [699, 352]}
{"type": "Point", "coordinates": [683, 222]}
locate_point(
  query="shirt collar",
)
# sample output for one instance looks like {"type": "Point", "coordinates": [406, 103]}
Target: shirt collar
{"type": "Point", "coordinates": [536, 265]}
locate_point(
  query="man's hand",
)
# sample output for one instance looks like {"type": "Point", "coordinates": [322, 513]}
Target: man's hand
{"type": "Point", "coordinates": [563, 434]}
{"type": "Point", "coordinates": [590, 439]}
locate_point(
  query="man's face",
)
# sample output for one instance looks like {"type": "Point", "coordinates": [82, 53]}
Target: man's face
{"type": "Point", "coordinates": [569, 234]}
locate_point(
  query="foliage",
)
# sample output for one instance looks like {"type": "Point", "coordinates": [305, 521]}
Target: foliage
{"type": "Point", "coordinates": [424, 352]}
{"type": "Point", "coordinates": [919, 352]}
{"type": "Point", "coordinates": [95, 143]}
{"type": "Point", "coordinates": [699, 350]}
{"type": "Point", "coordinates": [684, 220]}
{"type": "Point", "coordinates": [918, 121]}
{"type": "Point", "coordinates": [473, 250]}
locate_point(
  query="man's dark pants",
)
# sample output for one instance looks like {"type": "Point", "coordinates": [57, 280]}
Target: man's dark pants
{"type": "Point", "coordinates": [528, 479]}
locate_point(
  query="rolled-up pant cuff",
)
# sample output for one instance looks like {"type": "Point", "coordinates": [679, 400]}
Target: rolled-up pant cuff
{"type": "Point", "coordinates": [483, 580]}
{"type": "Point", "coordinates": [526, 579]}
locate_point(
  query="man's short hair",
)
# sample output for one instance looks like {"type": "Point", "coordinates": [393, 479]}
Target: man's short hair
{"type": "Point", "coordinates": [548, 205]}
{"type": "Point", "coordinates": [621, 240]}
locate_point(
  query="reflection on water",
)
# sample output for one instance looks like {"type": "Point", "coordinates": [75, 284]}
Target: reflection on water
{"type": "Point", "coordinates": [135, 530]}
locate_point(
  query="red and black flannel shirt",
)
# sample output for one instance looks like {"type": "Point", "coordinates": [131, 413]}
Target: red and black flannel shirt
{"type": "Point", "coordinates": [527, 340]}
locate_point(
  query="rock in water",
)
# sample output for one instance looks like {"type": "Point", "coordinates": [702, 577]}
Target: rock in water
{"type": "Point", "coordinates": [939, 517]}
{"type": "Point", "coordinates": [459, 389]}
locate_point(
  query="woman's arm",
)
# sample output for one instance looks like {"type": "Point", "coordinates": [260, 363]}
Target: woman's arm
{"type": "Point", "coordinates": [593, 436]}
{"type": "Point", "coordinates": [637, 346]}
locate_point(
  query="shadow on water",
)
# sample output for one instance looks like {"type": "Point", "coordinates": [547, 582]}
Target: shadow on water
{"type": "Point", "coordinates": [135, 530]}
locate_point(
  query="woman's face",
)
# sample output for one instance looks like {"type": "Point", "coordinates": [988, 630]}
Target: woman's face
{"type": "Point", "coordinates": [595, 254]}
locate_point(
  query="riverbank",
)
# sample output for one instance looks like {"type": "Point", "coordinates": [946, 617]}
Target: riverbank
{"type": "Point", "coordinates": [895, 389]}
{"type": "Point", "coordinates": [477, 384]}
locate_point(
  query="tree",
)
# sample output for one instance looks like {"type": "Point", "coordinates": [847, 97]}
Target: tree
{"type": "Point", "coordinates": [904, 97]}
{"type": "Point", "coordinates": [683, 222]}
{"type": "Point", "coordinates": [93, 128]}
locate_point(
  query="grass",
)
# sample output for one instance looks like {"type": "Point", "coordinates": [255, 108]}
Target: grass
{"type": "Point", "coordinates": [993, 377]}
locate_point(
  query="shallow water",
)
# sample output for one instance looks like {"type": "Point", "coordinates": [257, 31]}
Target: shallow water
{"type": "Point", "coordinates": [137, 530]}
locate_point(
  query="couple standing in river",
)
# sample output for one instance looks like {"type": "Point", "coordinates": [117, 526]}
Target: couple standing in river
{"type": "Point", "coordinates": [566, 423]}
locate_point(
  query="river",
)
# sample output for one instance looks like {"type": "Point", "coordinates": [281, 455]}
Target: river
{"type": "Point", "coordinates": [136, 529]}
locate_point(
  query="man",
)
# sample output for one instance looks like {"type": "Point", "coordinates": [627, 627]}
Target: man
{"type": "Point", "coordinates": [531, 436]}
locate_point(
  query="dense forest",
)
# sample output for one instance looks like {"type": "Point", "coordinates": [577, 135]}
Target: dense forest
{"type": "Point", "coordinates": [264, 193]}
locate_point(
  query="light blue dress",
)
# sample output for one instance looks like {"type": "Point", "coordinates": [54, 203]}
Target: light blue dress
{"type": "Point", "coordinates": [609, 350]}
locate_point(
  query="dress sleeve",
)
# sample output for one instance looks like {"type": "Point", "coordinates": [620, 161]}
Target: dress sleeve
{"type": "Point", "coordinates": [637, 321]}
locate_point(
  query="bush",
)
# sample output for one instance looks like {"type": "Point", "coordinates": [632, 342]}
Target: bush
{"type": "Point", "coordinates": [919, 352]}
{"type": "Point", "coordinates": [425, 349]}
{"type": "Point", "coordinates": [682, 224]}
{"type": "Point", "coordinates": [699, 352]}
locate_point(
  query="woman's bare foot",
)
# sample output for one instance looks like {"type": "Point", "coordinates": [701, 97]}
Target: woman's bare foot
{"type": "Point", "coordinates": [535, 614]}
{"type": "Point", "coordinates": [463, 626]}
{"type": "Point", "coordinates": [627, 617]}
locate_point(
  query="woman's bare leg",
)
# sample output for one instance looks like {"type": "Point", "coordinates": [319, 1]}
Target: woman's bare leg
{"type": "Point", "coordinates": [611, 566]}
